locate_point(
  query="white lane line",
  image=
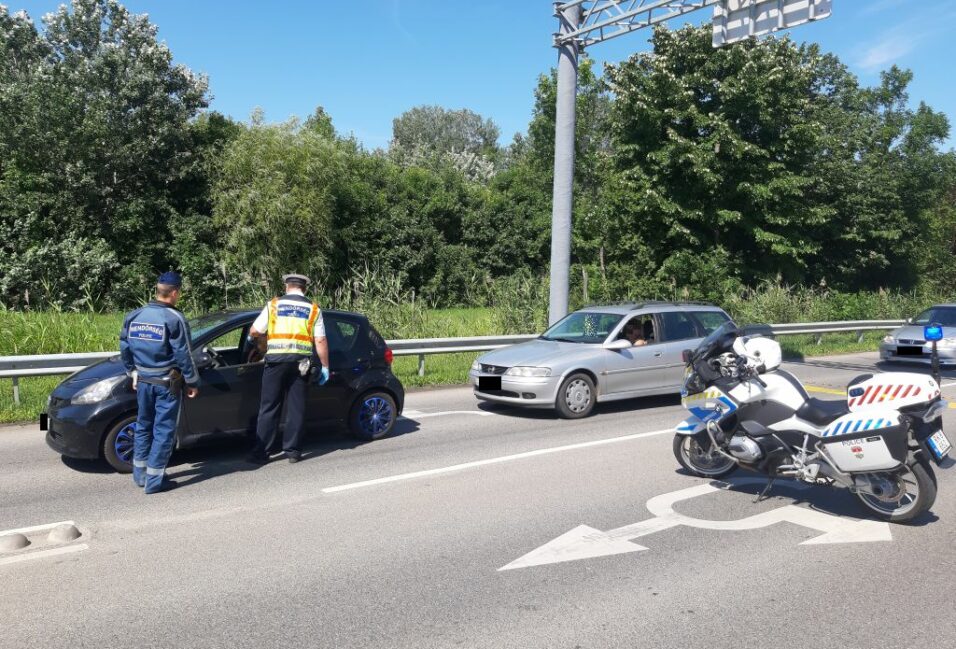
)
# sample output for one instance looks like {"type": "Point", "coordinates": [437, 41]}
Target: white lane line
{"type": "Point", "coordinates": [418, 414]}
{"type": "Point", "coordinates": [494, 460]}
{"type": "Point", "coordinates": [29, 556]}
{"type": "Point", "coordinates": [35, 528]}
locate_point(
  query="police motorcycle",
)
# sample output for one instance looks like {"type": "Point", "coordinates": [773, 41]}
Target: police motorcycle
{"type": "Point", "coordinates": [746, 411]}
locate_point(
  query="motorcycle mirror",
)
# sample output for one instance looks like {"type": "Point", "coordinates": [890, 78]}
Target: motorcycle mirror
{"type": "Point", "coordinates": [686, 355]}
{"type": "Point", "coordinates": [933, 332]}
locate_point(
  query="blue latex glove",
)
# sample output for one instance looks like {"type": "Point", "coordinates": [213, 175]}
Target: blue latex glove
{"type": "Point", "coordinates": [323, 376]}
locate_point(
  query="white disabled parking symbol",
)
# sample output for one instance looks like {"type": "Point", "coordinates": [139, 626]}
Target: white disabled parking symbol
{"type": "Point", "coordinates": [585, 542]}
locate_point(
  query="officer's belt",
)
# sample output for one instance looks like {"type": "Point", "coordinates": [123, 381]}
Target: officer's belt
{"type": "Point", "coordinates": [164, 381]}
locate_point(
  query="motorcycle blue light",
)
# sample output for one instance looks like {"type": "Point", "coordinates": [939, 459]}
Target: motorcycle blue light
{"type": "Point", "coordinates": [933, 332]}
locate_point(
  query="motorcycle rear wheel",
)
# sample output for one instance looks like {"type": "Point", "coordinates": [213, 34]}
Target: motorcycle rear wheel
{"type": "Point", "coordinates": [705, 463]}
{"type": "Point", "coordinates": [907, 493]}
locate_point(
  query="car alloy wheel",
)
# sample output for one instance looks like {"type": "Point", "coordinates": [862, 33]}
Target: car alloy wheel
{"type": "Point", "coordinates": [577, 396]}
{"type": "Point", "coordinates": [373, 416]}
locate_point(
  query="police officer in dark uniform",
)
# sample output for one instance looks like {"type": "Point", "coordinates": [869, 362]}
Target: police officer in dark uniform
{"type": "Point", "coordinates": [290, 329]}
{"type": "Point", "coordinates": [155, 348]}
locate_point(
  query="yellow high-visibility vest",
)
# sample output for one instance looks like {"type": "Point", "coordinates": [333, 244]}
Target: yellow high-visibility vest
{"type": "Point", "coordinates": [291, 324]}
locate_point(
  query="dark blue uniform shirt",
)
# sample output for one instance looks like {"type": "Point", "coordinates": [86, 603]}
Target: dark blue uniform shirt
{"type": "Point", "coordinates": [155, 339]}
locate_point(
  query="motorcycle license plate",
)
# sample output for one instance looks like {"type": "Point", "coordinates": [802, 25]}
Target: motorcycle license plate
{"type": "Point", "coordinates": [938, 445]}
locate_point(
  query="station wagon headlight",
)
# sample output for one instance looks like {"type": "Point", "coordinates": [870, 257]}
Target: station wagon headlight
{"type": "Point", "coordinates": [476, 366]}
{"type": "Point", "coordinates": [528, 371]}
{"type": "Point", "coordinates": [948, 342]}
{"type": "Point", "coordinates": [98, 391]}
{"type": "Point", "coordinates": [888, 338]}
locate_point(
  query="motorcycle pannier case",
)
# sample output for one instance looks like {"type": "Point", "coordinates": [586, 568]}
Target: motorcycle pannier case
{"type": "Point", "coordinates": [873, 440]}
{"type": "Point", "coordinates": [893, 389]}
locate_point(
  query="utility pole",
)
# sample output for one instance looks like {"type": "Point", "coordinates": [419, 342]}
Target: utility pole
{"type": "Point", "coordinates": [569, 18]}
{"type": "Point", "coordinates": [583, 23]}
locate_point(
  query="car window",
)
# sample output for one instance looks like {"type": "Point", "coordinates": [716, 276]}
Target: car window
{"type": "Point", "coordinates": [343, 336]}
{"type": "Point", "coordinates": [230, 346]}
{"type": "Point", "coordinates": [583, 327]}
{"type": "Point", "coordinates": [228, 340]}
{"type": "Point", "coordinates": [204, 324]}
{"type": "Point", "coordinates": [643, 326]}
{"type": "Point", "coordinates": [943, 315]}
{"type": "Point", "coordinates": [710, 320]}
{"type": "Point", "coordinates": [678, 326]}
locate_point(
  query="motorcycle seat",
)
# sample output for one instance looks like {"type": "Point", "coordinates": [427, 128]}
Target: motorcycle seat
{"type": "Point", "coordinates": [821, 412]}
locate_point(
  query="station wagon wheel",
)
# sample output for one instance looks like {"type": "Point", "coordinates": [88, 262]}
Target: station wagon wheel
{"type": "Point", "coordinates": [373, 416]}
{"type": "Point", "coordinates": [118, 445]}
{"type": "Point", "coordinates": [576, 397]}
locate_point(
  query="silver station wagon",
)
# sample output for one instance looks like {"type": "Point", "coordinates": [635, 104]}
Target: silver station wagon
{"type": "Point", "coordinates": [600, 353]}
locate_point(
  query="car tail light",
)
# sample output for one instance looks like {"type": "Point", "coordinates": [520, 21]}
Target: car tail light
{"type": "Point", "coordinates": [389, 356]}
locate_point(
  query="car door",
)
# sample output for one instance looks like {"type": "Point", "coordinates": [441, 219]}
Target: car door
{"type": "Point", "coordinates": [349, 357]}
{"type": "Point", "coordinates": [679, 331]}
{"type": "Point", "coordinates": [636, 369]}
{"type": "Point", "coordinates": [228, 400]}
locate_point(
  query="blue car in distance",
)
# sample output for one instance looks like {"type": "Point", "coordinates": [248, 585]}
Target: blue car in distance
{"type": "Point", "coordinates": [91, 413]}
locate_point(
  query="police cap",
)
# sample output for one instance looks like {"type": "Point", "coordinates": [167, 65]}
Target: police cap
{"type": "Point", "coordinates": [295, 278]}
{"type": "Point", "coordinates": [171, 278]}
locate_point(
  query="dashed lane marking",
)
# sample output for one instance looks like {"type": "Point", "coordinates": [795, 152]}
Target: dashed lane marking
{"type": "Point", "coordinates": [495, 460]}
{"type": "Point", "coordinates": [418, 414]}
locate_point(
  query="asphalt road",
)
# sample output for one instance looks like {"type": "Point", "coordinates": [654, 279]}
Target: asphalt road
{"type": "Point", "coordinates": [400, 542]}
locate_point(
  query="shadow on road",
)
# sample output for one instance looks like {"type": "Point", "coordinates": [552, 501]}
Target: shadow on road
{"type": "Point", "coordinates": [221, 457]}
{"type": "Point", "coordinates": [87, 466]}
{"type": "Point", "coordinates": [600, 409]}
{"type": "Point", "coordinates": [829, 500]}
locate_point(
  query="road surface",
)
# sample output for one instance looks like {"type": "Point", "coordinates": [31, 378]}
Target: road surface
{"type": "Point", "coordinates": [402, 543]}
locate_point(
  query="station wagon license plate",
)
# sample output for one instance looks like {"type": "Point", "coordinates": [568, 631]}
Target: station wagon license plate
{"type": "Point", "coordinates": [909, 351]}
{"type": "Point", "coordinates": [489, 382]}
{"type": "Point", "coordinates": [938, 445]}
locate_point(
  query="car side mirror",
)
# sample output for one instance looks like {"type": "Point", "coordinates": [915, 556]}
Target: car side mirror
{"type": "Point", "coordinates": [686, 355]}
{"type": "Point", "coordinates": [618, 345]}
{"type": "Point", "coordinates": [203, 360]}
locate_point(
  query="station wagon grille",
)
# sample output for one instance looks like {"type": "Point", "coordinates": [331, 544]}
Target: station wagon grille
{"type": "Point", "coordinates": [493, 369]}
{"type": "Point", "coordinates": [903, 341]}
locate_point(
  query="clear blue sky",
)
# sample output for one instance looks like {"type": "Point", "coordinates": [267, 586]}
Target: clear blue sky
{"type": "Point", "coordinates": [367, 61]}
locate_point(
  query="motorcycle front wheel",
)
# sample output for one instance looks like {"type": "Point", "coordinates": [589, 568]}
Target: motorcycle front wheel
{"type": "Point", "coordinates": [901, 496]}
{"type": "Point", "coordinates": [706, 463]}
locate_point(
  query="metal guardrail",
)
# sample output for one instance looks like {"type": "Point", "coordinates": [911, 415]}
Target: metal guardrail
{"type": "Point", "coordinates": [16, 367]}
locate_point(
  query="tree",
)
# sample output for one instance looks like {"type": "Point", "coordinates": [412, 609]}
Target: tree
{"type": "Point", "coordinates": [767, 156]}
{"type": "Point", "coordinates": [434, 137]}
{"type": "Point", "coordinates": [93, 133]}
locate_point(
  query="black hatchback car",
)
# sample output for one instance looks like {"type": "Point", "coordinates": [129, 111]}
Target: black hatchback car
{"type": "Point", "coordinates": [92, 413]}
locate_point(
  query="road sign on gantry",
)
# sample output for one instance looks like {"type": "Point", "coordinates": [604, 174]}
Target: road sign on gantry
{"type": "Point", "coordinates": [737, 20]}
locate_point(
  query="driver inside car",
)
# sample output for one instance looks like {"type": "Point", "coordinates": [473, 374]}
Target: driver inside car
{"type": "Point", "coordinates": [634, 332]}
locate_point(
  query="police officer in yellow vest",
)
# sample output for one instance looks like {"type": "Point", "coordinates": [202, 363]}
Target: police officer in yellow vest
{"type": "Point", "coordinates": [291, 327]}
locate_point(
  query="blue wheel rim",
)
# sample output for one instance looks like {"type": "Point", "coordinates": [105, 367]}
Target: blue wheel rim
{"type": "Point", "coordinates": [375, 416]}
{"type": "Point", "coordinates": [123, 444]}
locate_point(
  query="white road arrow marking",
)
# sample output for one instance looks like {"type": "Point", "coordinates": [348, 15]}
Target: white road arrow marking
{"type": "Point", "coordinates": [585, 542]}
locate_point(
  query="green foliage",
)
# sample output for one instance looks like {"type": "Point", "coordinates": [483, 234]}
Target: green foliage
{"type": "Point", "coordinates": [701, 173]}
{"type": "Point", "coordinates": [769, 156]}
{"type": "Point", "coordinates": [93, 135]}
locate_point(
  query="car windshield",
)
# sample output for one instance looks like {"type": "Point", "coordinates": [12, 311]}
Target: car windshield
{"type": "Point", "coordinates": [203, 324]}
{"type": "Point", "coordinates": [944, 315]}
{"type": "Point", "coordinates": [583, 327]}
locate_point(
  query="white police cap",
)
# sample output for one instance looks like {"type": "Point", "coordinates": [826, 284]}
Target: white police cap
{"type": "Point", "coordinates": [295, 278]}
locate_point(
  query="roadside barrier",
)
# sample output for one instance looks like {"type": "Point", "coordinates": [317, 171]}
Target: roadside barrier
{"type": "Point", "coordinates": [17, 367]}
